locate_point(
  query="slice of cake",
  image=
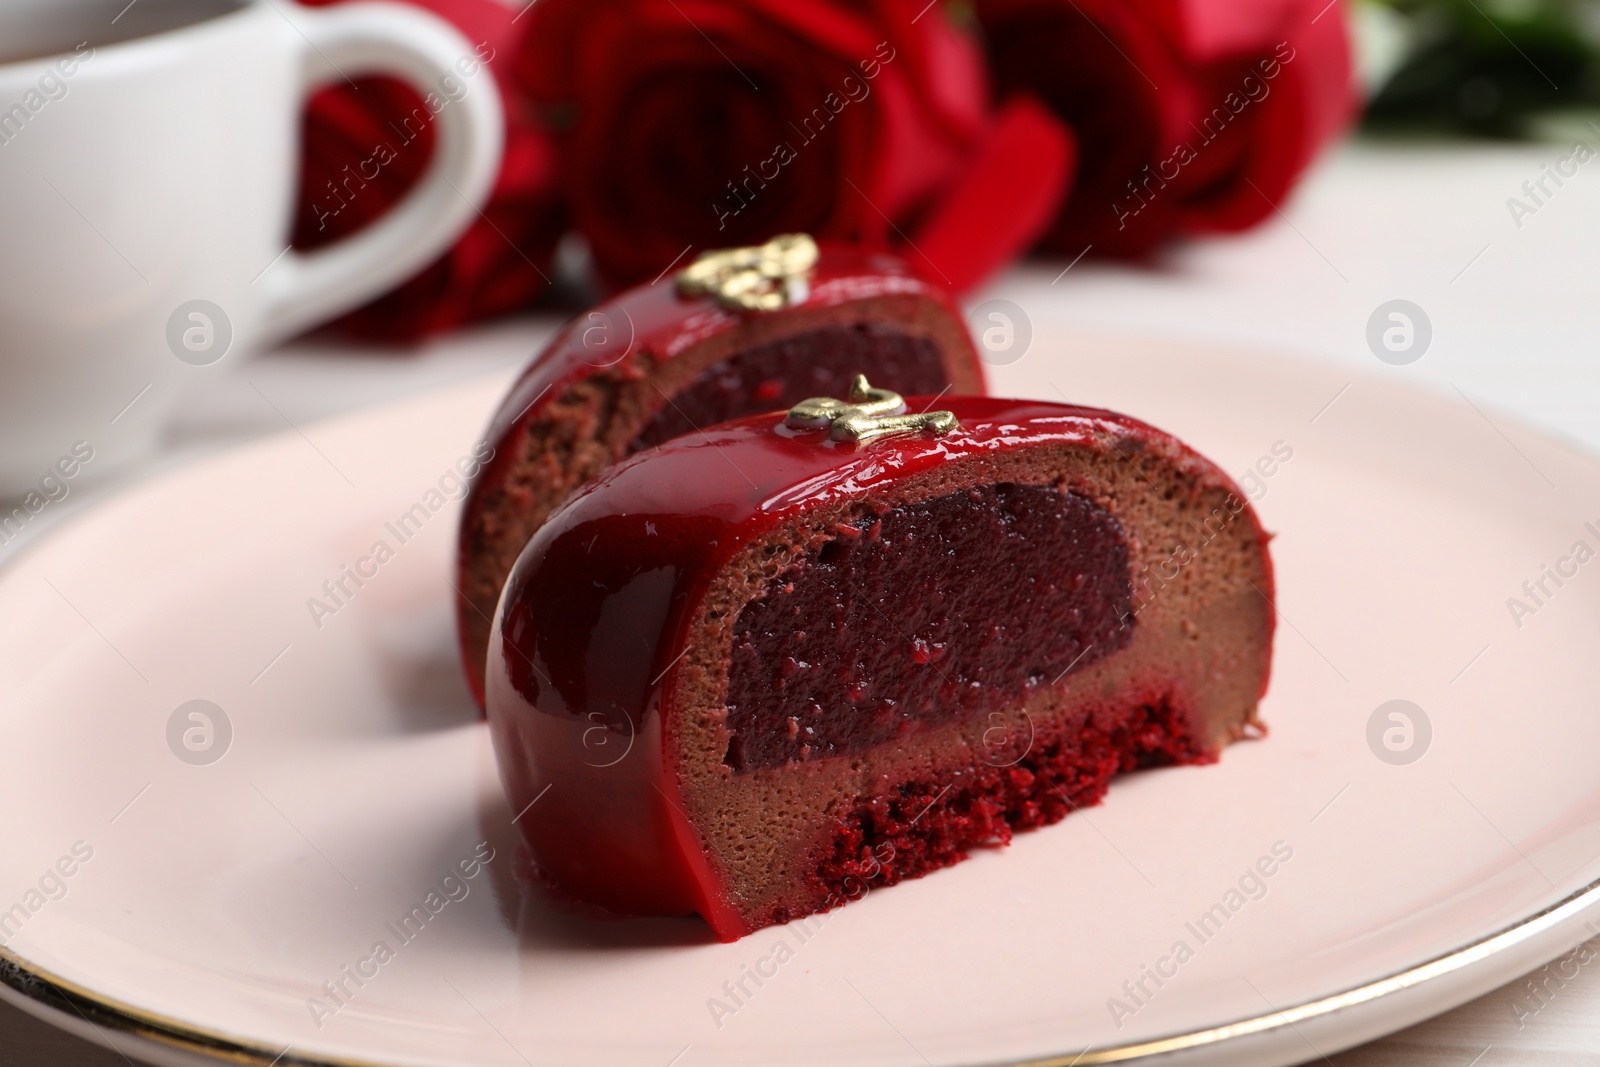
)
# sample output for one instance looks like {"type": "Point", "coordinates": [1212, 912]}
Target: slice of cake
{"type": "Point", "coordinates": [734, 333]}
{"type": "Point", "coordinates": [755, 671]}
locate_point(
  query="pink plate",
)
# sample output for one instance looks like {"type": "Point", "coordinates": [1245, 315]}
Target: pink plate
{"type": "Point", "coordinates": [216, 878]}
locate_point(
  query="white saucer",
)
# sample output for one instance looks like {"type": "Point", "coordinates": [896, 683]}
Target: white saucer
{"type": "Point", "coordinates": [220, 897]}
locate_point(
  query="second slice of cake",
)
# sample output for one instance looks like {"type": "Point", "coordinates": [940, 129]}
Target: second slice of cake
{"type": "Point", "coordinates": [735, 333]}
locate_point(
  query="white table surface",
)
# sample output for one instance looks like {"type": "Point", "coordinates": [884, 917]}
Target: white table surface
{"type": "Point", "coordinates": [1514, 314]}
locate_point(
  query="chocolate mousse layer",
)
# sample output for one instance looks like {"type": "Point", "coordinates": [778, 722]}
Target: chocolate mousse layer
{"type": "Point", "coordinates": [1040, 640]}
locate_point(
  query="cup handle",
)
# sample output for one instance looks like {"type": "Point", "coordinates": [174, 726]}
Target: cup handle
{"type": "Point", "coordinates": [419, 48]}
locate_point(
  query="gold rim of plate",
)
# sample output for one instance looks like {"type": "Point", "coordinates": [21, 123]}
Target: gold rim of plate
{"type": "Point", "coordinates": [67, 998]}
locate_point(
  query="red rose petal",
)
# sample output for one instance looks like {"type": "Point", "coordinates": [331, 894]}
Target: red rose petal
{"type": "Point", "coordinates": [1010, 193]}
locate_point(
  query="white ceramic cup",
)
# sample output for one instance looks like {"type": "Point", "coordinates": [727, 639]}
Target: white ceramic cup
{"type": "Point", "coordinates": [147, 182]}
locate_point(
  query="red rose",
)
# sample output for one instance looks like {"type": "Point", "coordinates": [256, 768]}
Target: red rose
{"type": "Point", "coordinates": [1191, 115]}
{"type": "Point", "coordinates": [695, 124]}
{"type": "Point", "coordinates": [1279, 71]}
{"type": "Point", "coordinates": [364, 148]}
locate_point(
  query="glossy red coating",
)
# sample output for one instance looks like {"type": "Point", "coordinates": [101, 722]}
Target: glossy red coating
{"type": "Point", "coordinates": [593, 624]}
{"type": "Point", "coordinates": [655, 323]}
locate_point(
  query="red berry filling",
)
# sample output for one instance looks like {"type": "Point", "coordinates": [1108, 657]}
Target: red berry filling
{"type": "Point", "coordinates": [930, 612]}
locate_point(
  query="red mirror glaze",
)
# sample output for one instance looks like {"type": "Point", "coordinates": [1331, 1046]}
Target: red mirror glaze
{"type": "Point", "coordinates": [595, 617]}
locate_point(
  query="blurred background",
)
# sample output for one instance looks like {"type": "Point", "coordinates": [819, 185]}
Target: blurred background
{"type": "Point", "coordinates": [1264, 172]}
{"type": "Point", "coordinates": [1134, 127]}
{"type": "Point", "coordinates": [1267, 174]}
